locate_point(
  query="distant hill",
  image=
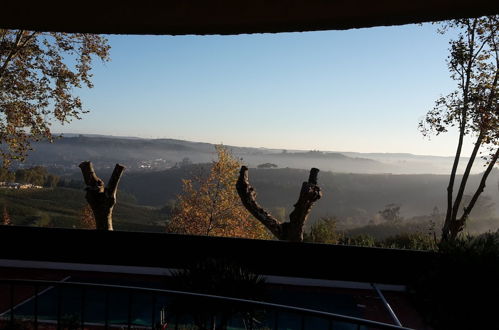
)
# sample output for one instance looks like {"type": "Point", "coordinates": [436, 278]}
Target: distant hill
{"type": "Point", "coordinates": [157, 154]}
{"type": "Point", "coordinates": [356, 185]}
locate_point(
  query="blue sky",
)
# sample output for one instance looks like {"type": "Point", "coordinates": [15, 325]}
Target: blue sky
{"type": "Point", "coordinates": [358, 90]}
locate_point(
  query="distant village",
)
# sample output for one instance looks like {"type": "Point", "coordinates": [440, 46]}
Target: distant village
{"type": "Point", "coordinates": [17, 185]}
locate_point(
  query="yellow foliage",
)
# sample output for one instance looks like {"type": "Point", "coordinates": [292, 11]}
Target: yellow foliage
{"type": "Point", "coordinates": [87, 220]}
{"type": "Point", "coordinates": [209, 204]}
{"type": "Point", "coordinates": [6, 217]}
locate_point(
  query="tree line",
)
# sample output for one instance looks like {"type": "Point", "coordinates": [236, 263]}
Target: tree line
{"type": "Point", "coordinates": [37, 175]}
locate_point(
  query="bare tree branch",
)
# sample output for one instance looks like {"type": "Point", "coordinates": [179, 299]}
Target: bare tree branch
{"type": "Point", "coordinates": [292, 230]}
{"type": "Point", "coordinates": [101, 199]}
{"type": "Point", "coordinates": [248, 197]}
{"type": "Point", "coordinates": [112, 185]}
{"type": "Point", "coordinates": [90, 177]}
{"type": "Point", "coordinates": [458, 225]}
{"type": "Point", "coordinates": [309, 194]}
{"type": "Point", "coordinates": [466, 174]}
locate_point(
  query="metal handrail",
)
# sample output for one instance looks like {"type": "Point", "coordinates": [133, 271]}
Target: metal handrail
{"type": "Point", "coordinates": [287, 308]}
{"type": "Point", "coordinates": [387, 305]}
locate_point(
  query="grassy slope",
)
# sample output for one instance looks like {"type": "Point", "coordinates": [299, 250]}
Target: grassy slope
{"type": "Point", "coordinates": [62, 207]}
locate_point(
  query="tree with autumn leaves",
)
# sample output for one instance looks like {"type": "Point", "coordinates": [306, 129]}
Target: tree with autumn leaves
{"type": "Point", "coordinates": [209, 203]}
{"type": "Point", "coordinates": [39, 72]}
{"type": "Point", "coordinates": [87, 219]}
{"type": "Point", "coordinates": [6, 217]}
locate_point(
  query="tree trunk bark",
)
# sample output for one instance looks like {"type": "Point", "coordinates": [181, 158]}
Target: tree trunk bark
{"type": "Point", "coordinates": [462, 128]}
{"type": "Point", "coordinates": [455, 225]}
{"type": "Point", "coordinates": [287, 231]}
{"type": "Point", "coordinates": [101, 199]}
{"type": "Point", "coordinates": [464, 179]}
{"type": "Point", "coordinates": [309, 194]}
{"type": "Point", "coordinates": [458, 225]}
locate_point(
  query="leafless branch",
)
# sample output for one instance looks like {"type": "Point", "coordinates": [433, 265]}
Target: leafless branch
{"type": "Point", "coordinates": [292, 230]}
{"type": "Point", "coordinates": [101, 199]}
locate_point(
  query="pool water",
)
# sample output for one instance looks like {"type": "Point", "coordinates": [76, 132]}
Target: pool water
{"type": "Point", "coordinates": [71, 304]}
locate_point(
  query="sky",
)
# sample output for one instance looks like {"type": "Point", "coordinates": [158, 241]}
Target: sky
{"type": "Point", "coordinates": [361, 90]}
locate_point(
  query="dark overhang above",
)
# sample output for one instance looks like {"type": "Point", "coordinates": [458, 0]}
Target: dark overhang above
{"type": "Point", "coordinates": [177, 17]}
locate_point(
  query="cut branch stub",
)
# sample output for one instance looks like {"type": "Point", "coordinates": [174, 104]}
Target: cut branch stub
{"type": "Point", "coordinates": [248, 197]}
{"type": "Point", "coordinates": [101, 199]}
{"type": "Point", "coordinates": [292, 230]}
{"type": "Point", "coordinates": [309, 194]}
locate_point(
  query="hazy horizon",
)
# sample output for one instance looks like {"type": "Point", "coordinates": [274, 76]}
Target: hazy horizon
{"type": "Point", "coordinates": [360, 90]}
{"type": "Point", "coordinates": [246, 146]}
{"type": "Point", "coordinates": [138, 153]}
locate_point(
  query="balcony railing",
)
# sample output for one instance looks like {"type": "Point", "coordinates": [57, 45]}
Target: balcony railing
{"type": "Point", "coordinates": [73, 305]}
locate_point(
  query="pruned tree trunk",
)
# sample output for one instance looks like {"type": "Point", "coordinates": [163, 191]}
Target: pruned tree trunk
{"type": "Point", "coordinates": [286, 231]}
{"type": "Point", "coordinates": [101, 199]}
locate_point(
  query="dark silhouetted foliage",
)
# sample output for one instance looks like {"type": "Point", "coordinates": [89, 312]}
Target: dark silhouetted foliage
{"type": "Point", "coordinates": [459, 290]}
{"type": "Point", "coordinates": [220, 277]}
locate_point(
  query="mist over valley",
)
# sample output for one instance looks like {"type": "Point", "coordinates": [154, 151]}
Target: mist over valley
{"type": "Point", "coordinates": [356, 186]}
{"type": "Point", "coordinates": [157, 154]}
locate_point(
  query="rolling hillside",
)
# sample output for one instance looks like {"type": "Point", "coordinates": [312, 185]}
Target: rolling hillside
{"type": "Point", "coordinates": [155, 154]}
{"type": "Point", "coordinates": [63, 207]}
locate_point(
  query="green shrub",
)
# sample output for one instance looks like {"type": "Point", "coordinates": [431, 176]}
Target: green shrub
{"type": "Point", "coordinates": [410, 241]}
{"type": "Point", "coordinates": [324, 231]}
{"type": "Point", "coordinates": [359, 240]}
